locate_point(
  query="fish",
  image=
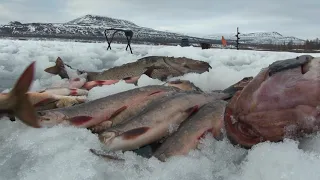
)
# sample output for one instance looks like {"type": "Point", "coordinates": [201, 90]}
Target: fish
{"type": "Point", "coordinates": [170, 67]}
{"type": "Point", "coordinates": [130, 80]}
{"type": "Point", "coordinates": [158, 120]}
{"type": "Point", "coordinates": [104, 112]}
{"type": "Point", "coordinates": [16, 103]}
{"type": "Point", "coordinates": [183, 85]}
{"type": "Point", "coordinates": [47, 101]}
{"type": "Point", "coordinates": [65, 91]}
{"type": "Point", "coordinates": [209, 119]}
{"type": "Point", "coordinates": [281, 101]}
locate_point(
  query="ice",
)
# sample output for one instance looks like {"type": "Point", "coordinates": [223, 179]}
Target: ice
{"type": "Point", "coordinates": [63, 152]}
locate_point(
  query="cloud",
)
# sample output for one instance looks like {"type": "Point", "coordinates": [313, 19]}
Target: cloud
{"type": "Point", "coordinates": [294, 17]}
{"type": "Point", "coordinates": [32, 10]}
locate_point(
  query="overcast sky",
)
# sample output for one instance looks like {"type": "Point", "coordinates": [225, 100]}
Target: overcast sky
{"type": "Point", "coordinates": [298, 18]}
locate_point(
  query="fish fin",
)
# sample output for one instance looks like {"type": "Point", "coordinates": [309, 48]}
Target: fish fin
{"type": "Point", "coordinates": [134, 133]}
{"type": "Point", "coordinates": [45, 102]}
{"type": "Point", "coordinates": [59, 62]}
{"type": "Point", "coordinates": [104, 155]}
{"type": "Point", "coordinates": [78, 120]}
{"type": "Point", "coordinates": [118, 111]}
{"type": "Point", "coordinates": [22, 106]}
{"type": "Point", "coordinates": [52, 70]}
{"type": "Point", "coordinates": [126, 78]}
{"type": "Point", "coordinates": [192, 110]}
{"type": "Point", "coordinates": [129, 78]}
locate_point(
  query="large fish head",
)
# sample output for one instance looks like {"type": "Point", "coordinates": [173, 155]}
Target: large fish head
{"type": "Point", "coordinates": [281, 101]}
{"type": "Point", "coordinates": [50, 118]}
{"type": "Point", "coordinates": [186, 65]}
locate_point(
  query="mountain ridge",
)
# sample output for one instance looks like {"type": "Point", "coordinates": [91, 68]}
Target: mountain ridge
{"type": "Point", "coordinates": [91, 27]}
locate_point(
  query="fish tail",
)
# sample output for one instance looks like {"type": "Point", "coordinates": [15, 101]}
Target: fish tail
{"type": "Point", "coordinates": [56, 68]}
{"type": "Point", "coordinates": [59, 68]}
{"type": "Point", "coordinates": [19, 100]}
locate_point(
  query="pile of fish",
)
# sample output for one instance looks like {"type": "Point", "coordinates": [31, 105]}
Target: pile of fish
{"type": "Point", "coordinates": [170, 119]}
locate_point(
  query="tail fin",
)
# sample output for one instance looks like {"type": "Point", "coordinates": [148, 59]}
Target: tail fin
{"type": "Point", "coordinates": [18, 97]}
{"type": "Point", "coordinates": [59, 68]}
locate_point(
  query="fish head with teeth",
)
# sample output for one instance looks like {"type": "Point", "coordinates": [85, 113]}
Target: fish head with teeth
{"type": "Point", "coordinates": [49, 118]}
{"type": "Point", "coordinates": [281, 101]}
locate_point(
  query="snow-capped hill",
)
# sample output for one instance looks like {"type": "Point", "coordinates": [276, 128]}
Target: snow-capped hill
{"type": "Point", "coordinates": [100, 21]}
{"type": "Point", "coordinates": [92, 27]}
{"type": "Point", "coordinates": [259, 38]}
{"type": "Point", "coordinates": [263, 34]}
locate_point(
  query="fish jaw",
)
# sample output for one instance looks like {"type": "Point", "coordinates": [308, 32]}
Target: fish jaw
{"type": "Point", "coordinates": [281, 101]}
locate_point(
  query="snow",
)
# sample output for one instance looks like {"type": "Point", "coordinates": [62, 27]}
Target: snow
{"type": "Point", "coordinates": [63, 152]}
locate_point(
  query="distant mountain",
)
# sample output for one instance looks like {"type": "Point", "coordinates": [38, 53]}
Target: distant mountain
{"type": "Point", "coordinates": [91, 27]}
{"type": "Point", "coordinates": [259, 38]}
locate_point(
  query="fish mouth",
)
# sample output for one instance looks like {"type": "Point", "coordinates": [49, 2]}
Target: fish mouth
{"type": "Point", "coordinates": [240, 133]}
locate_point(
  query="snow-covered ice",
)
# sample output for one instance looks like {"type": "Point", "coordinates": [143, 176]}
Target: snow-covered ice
{"type": "Point", "coordinates": [63, 152]}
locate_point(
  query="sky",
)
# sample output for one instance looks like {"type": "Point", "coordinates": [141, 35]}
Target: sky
{"type": "Point", "coordinates": [201, 17]}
